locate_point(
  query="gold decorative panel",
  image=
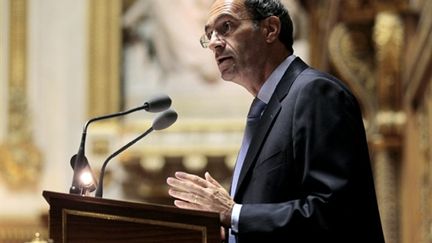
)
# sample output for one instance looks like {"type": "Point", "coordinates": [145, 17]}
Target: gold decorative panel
{"type": "Point", "coordinates": [365, 41]}
{"type": "Point", "coordinates": [20, 159]}
{"type": "Point", "coordinates": [351, 52]}
{"type": "Point", "coordinates": [104, 56]}
{"type": "Point", "coordinates": [425, 125]}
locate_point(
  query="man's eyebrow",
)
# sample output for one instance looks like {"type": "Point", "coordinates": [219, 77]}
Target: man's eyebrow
{"type": "Point", "coordinates": [218, 18]}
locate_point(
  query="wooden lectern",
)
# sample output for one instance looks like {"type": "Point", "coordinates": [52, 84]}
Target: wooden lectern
{"type": "Point", "coordinates": [75, 218]}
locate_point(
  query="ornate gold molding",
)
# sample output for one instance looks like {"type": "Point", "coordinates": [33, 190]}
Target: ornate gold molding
{"type": "Point", "coordinates": [367, 54]}
{"type": "Point", "coordinates": [20, 159]}
{"type": "Point", "coordinates": [104, 56]}
{"type": "Point", "coordinates": [417, 72]}
{"type": "Point", "coordinates": [388, 37]}
{"type": "Point", "coordinates": [424, 113]}
{"type": "Point", "coordinates": [351, 53]}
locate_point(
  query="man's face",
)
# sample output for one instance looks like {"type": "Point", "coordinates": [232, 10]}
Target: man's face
{"type": "Point", "coordinates": [234, 39]}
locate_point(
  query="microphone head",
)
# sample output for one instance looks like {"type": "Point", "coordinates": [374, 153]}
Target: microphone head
{"type": "Point", "coordinates": [158, 103]}
{"type": "Point", "coordinates": [164, 120]}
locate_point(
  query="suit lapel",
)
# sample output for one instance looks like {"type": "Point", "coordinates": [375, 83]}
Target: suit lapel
{"type": "Point", "coordinates": [269, 116]}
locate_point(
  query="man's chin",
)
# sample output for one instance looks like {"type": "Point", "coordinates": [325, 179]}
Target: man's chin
{"type": "Point", "coordinates": [226, 79]}
{"type": "Point", "coordinates": [227, 76]}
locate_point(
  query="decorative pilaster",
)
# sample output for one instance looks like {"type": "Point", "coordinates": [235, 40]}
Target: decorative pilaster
{"type": "Point", "coordinates": [20, 159]}
{"type": "Point", "coordinates": [104, 57]}
{"type": "Point", "coordinates": [366, 51]}
{"type": "Point", "coordinates": [425, 144]}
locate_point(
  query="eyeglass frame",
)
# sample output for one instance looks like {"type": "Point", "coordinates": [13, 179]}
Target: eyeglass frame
{"type": "Point", "coordinates": [205, 40]}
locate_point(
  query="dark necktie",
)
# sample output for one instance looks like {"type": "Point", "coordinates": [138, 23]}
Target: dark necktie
{"type": "Point", "coordinates": [254, 115]}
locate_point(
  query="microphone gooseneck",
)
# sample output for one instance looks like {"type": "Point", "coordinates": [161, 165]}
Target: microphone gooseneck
{"type": "Point", "coordinates": [156, 104]}
{"type": "Point", "coordinates": [79, 161]}
{"type": "Point", "coordinates": [163, 121]}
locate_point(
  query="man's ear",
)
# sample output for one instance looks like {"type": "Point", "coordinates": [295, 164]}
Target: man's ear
{"type": "Point", "coordinates": [271, 28]}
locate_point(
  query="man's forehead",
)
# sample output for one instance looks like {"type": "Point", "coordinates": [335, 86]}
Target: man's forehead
{"type": "Point", "coordinates": [226, 7]}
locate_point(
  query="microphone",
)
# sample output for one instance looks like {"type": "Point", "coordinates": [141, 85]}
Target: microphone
{"type": "Point", "coordinates": [79, 161]}
{"type": "Point", "coordinates": [157, 104]}
{"type": "Point", "coordinates": [161, 122]}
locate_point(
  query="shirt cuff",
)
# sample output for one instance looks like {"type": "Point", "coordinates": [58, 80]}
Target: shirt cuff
{"type": "Point", "coordinates": [235, 215]}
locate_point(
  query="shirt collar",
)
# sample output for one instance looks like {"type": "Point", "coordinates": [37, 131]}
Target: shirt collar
{"type": "Point", "coordinates": [272, 81]}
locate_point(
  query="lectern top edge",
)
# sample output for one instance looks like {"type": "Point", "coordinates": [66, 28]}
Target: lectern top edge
{"type": "Point", "coordinates": [50, 195]}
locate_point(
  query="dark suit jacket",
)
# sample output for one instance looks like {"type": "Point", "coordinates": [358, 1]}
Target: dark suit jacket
{"type": "Point", "coordinates": [307, 175]}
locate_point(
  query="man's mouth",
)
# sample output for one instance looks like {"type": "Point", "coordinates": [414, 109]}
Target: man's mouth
{"type": "Point", "coordinates": [222, 59]}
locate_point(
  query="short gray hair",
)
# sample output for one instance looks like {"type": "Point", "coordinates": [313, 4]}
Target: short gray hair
{"type": "Point", "coordinates": [261, 9]}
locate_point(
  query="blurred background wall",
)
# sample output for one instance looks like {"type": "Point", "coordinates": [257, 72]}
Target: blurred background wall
{"type": "Point", "coordinates": [63, 62]}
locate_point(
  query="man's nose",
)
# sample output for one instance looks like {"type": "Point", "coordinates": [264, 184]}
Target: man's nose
{"type": "Point", "coordinates": [215, 41]}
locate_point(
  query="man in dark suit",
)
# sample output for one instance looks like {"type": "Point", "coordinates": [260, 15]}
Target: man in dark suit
{"type": "Point", "coordinates": [303, 173]}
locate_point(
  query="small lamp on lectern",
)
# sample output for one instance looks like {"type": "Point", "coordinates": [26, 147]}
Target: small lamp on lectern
{"type": "Point", "coordinates": [84, 181]}
{"type": "Point", "coordinates": [87, 182]}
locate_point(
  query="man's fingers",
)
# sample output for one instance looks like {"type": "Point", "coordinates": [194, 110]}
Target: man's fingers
{"type": "Point", "coordinates": [222, 232]}
{"type": "Point", "coordinates": [210, 179]}
{"type": "Point", "coordinates": [193, 192]}
{"type": "Point", "coordinates": [186, 205]}
{"type": "Point", "coordinates": [193, 178]}
{"type": "Point", "coordinates": [185, 196]}
{"type": "Point", "coordinates": [184, 185]}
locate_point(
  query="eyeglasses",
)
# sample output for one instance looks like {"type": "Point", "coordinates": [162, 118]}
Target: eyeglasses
{"type": "Point", "coordinates": [221, 30]}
